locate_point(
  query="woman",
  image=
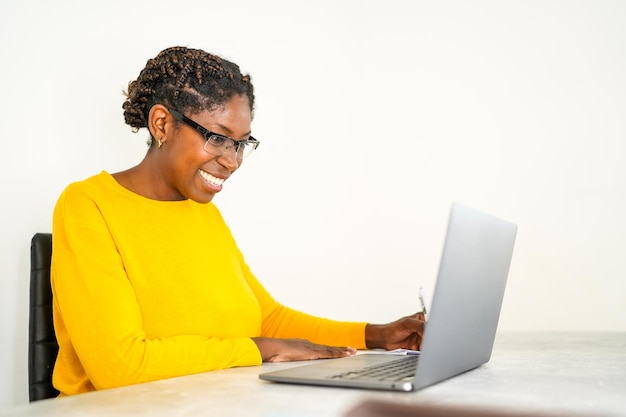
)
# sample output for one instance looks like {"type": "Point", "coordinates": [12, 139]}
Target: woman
{"type": "Point", "coordinates": [148, 282]}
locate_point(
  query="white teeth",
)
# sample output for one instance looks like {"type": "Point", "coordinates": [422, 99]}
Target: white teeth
{"type": "Point", "coordinates": [210, 178]}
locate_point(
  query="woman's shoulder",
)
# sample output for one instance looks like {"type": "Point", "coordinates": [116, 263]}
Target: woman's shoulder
{"type": "Point", "coordinates": [97, 182]}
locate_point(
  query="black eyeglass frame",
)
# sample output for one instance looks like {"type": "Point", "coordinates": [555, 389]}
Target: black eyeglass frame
{"type": "Point", "coordinates": [208, 134]}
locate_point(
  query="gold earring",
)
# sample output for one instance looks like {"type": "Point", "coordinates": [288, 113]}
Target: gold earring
{"type": "Point", "coordinates": [160, 143]}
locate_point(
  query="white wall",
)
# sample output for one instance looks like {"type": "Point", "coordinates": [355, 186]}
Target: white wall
{"type": "Point", "coordinates": [373, 116]}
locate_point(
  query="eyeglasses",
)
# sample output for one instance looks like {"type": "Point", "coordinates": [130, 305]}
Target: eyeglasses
{"type": "Point", "coordinates": [217, 144]}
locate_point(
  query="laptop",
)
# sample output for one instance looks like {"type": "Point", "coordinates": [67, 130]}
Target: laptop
{"type": "Point", "coordinates": [462, 321]}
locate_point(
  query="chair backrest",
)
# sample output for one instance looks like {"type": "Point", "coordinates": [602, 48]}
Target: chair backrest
{"type": "Point", "coordinates": [42, 341]}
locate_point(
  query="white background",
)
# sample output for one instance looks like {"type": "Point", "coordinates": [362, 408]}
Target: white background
{"type": "Point", "coordinates": [374, 117]}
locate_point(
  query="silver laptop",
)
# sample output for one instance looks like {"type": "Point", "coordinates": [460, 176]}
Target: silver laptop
{"type": "Point", "coordinates": [462, 320]}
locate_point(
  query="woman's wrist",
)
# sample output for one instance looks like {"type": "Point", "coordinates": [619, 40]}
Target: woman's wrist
{"type": "Point", "coordinates": [266, 346]}
{"type": "Point", "coordinates": [374, 338]}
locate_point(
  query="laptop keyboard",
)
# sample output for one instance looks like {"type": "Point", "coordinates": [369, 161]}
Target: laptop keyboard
{"type": "Point", "coordinates": [400, 370]}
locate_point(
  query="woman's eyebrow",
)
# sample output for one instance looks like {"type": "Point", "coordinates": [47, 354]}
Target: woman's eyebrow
{"type": "Point", "coordinates": [230, 132]}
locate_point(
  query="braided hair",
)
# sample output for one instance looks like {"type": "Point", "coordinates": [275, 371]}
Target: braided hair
{"type": "Point", "coordinates": [189, 80]}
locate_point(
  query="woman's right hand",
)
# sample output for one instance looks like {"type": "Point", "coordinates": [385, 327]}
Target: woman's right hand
{"type": "Point", "coordinates": [284, 350]}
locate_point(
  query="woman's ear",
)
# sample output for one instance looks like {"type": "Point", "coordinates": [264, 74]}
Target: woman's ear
{"type": "Point", "coordinates": [157, 122]}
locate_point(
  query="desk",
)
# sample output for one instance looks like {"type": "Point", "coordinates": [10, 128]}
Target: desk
{"type": "Point", "coordinates": [567, 372]}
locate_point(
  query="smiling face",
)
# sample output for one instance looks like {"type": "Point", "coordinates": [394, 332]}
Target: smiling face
{"type": "Point", "coordinates": [182, 169]}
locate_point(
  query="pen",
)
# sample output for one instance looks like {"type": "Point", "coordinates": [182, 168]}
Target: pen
{"type": "Point", "coordinates": [421, 297]}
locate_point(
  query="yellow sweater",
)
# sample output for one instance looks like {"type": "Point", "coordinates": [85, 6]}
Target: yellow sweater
{"type": "Point", "coordinates": [147, 289]}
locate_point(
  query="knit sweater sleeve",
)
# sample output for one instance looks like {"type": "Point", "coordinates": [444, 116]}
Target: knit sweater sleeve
{"type": "Point", "coordinates": [284, 322]}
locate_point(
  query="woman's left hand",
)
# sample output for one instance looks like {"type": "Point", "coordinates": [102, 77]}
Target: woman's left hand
{"type": "Point", "coordinates": [404, 333]}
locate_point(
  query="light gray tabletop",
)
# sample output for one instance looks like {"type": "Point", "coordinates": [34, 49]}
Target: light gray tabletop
{"type": "Point", "coordinates": [564, 373]}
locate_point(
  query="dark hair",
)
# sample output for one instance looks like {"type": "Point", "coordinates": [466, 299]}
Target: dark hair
{"type": "Point", "coordinates": [189, 80]}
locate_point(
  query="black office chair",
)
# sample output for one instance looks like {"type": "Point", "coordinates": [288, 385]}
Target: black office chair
{"type": "Point", "coordinates": [42, 341]}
